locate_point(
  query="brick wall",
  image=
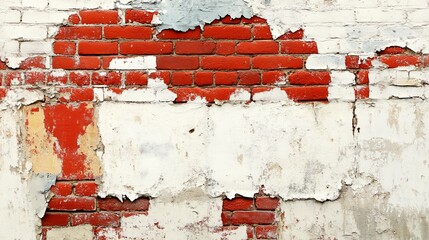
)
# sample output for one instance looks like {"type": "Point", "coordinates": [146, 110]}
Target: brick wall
{"type": "Point", "coordinates": [229, 55]}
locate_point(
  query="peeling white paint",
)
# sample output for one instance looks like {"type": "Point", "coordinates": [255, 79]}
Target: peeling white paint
{"type": "Point", "coordinates": [134, 63]}
{"type": "Point", "coordinates": [172, 148]}
{"type": "Point", "coordinates": [196, 216]}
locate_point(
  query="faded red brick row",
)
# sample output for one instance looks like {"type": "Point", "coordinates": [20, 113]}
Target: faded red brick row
{"type": "Point", "coordinates": [139, 16]}
{"type": "Point", "coordinates": [106, 78]}
{"type": "Point", "coordinates": [310, 93]}
{"type": "Point", "coordinates": [65, 48]}
{"type": "Point", "coordinates": [309, 78]}
{"type": "Point", "coordinates": [210, 94]}
{"type": "Point", "coordinates": [277, 62]}
{"type": "Point", "coordinates": [298, 47]}
{"type": "Point", "coordinates": [69, 63]}
{"type": "Point", "coordinates": [177, 62]}
{"type": "Point", "coordinates": [354, 62]}
{"type": "Point", "coordinates": [99, 16]}
{"type": "Point", "coordinates": [394, 61]}
{"type": "Point", "coordinates": [195, 47]}
{"type": "Point", "coordinates": [362, 92]}
{"type": "Point", "coordinates": [72, 204]}
{"type": "Point", "coordinates": [252, 217]}
{"type": "Point", "coordinates": [267, 203]}
{"type": "Point", "coordinates": [113, 204]}
{"type": "Point", "coordinates": [266, 232]}
{"type": "Point", "coordinates": [76, 94]}
{"type": "Point", "coordinates": [55, 219]}
{"type": "Point", "coordinates": [88, 189]}
{"type": "Point", "coordinates": [75, 33]}
{"type": "Point", "coordinates": [104, 219]}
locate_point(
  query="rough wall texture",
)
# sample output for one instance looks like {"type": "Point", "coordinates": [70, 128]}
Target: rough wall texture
{"type": "Point", "coordinates": [232, 119]}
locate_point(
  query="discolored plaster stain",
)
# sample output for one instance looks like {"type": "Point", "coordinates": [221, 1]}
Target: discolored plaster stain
{"type": "Point", "coordinates": [69, 125]}
{"type": "Point", "coordinates": [40, 145]}
{"type": "Point", "coordinates": [90, 146]}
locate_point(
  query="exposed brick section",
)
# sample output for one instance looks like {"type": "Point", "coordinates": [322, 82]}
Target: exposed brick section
{"type": "Point", "coordinates": [75, 33]}
{"type": "Point", "coordinates": [69, 63]}
{"type": "Point", "coordinates": [252, 217]}
{"type": "Point", "coordinates": [264, 47]}
{"type": "Point", "coordinates": [136, 78]}
{"type": "Point", "coordinates": [309, 78]}
{"type": "Point", "coordinates": [113, 204]}
{"type": "Point", "coordinates": [177, 63]}
{"type": "Point", "coordinates": [227, 32]}
{"type": "Point", "coordinates": [99, 17]}
{"type": "Point", "coordinates": [226, 63]}
{"type": "Point", "coordinates": [55, 219]}
{"type": "Point", "coordinates": [128, 32]}
{"type": "Point", "coordinates": [267, 203]}
{"type": "Point", "coordinates": [171, 34]}
{"type": "Point", "coordinates": [266, 232]}
{"type": "Point", "coordinates": [181, 78]}
{"type": "Point", "coordinates": [195, 47]}
{"type": "Point", "coordinates": [72, 204]}
{"type": "Point", "coordinates": [277, 62]}
{"type": "Point", "coordinates": [65, 48]}
{"type": "Point", "coordinates": [104, 219]}
{"type": "Point", "coordinates": [138, 16]}
{"type": "Point", "coordinates": [395, 61]}
{"type": "Point", "coordinates": [299, 47]}
{"type": "Point", "coordinates": [85, 189]}
{"type": "Point", "coordinates": [98, 48]}
{"type": "Point", "coordinates": [147, 48]}
{"type": "Point", "coordinates": [238, 203]}
{"type": "Point", "coordinates": [62, 189]}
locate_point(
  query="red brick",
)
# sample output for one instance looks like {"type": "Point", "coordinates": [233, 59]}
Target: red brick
{"type": "Point", "coordinates": [258, 47]}
{"type": "Point", "coordinates": [392, 50]}
{"type": "Point", "coordinates": [272, 77]}
{"type": "Point", "coordinates": [226, 78]}
{"type": "Point", "coordinates": [307, 93]}
{"type": "Point", "coordinates": [181, 78]}
{"type": "Point", "coordinates": [146, 47]}
{"type": "Point", "coordinates": [266, 232]}
{"type": "Point", "coordinates": [238, 203]}
{"type": "Point", "coordinates": [277, 62]}
{"type": "Point", "coordinates": [309, 78]}
{"type": "Point", "coordinates": [33, 62]}
{"type": "Point", "coordinates": [139, 16]}
{"type": "Point", "coordinates": [262, 32]}
{"type": "Point", "coordinates": [394, 61]}
{"type": "Point", "coordinates": [195, 47]}
{"type": "Point", "coordinates": [3, 65]}
{"type": "Point", "coordinates": [66, 48]}
{"type": "Point", "coordinates": [354, 62]}
{"type": "Point", "coordinates": [72, 204]}
{"type": "Point", "coordinates": [248, 217]}
{"type": "Point", "coordinates": [299, 34]}
{"type": "Point", "coordinates": [203, 78]}
{"type": "Point", "coordinates": [98, 48]}
{"type": "Point", "coordinates": [74, 33]}
{"type": "Point", "coordinates": [228, 20]}
{"type": "Point", "coordinates": [227, 32]}
{"type": "Point", "coordinates": [68, 63]}
{"type": "Point", "coordinates": [254, 19]}
{"type": "Point", "coordinates": [128, 32]}
{"type": "Point", "coordinates": [96, 219]}
{"type": "Point", "coordinates": [113, 204]}
{"type": "Point", "coordinates": [80, 78]}
{"type": "Point", "coordinates": [74, 19]}
{"type": "Point", "coordinates": [177, 62]}
{"type": "Point", "coordinates": [163, 75]}
{"type": "Point", "coordinates": [226, 218]}
{"type": "Point", "coordinates": [35, 77]}
{"type": "Point", "coordinates": [106, 78]}
{"type": "Point", "coordinates": [190, 94]}
{"type": "Point", "coordinates": [14, 78]}
{"type": "Point", "coordinates": [362, 92]}
{"type": "Point", "coordinates": [62, 189]}
{"type": "Point", "coordinates": [85, 189]}
{"type": "Point", "coordinates": [172, 34]}
{"type": "Point", "coordinates": [55, 219]}
{"type": "Point", "coordinates": [250, 231]}
{"type": "Point", "coordinates": [362, 77]}
{"type": "Point", "coordinates": [298, 47]}
{"type": "Point", "coordinates": [54, 77]}
{"type": "Point", "coordinates": [226, 63]}
{"type": "Point", "coordinates": [99, 17]}
{"type": "Point", "coordinates": [76, 94]}
{"type": "Point", "coordinates": [136, 78]}
{"type": "Point", "coordinates": [3, 93]}
{"type": "Point", "coordinates": [249, 78]}
{"type": "Point", "coordinates": [426, 60]}
{"type": "Point", "coordinates": [225, 48]}
{"type": "Point", "coordinates": [267, 203]}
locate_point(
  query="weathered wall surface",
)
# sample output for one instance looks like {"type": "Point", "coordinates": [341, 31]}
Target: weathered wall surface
{"type": "Point", "coordinates": [231, 119]}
